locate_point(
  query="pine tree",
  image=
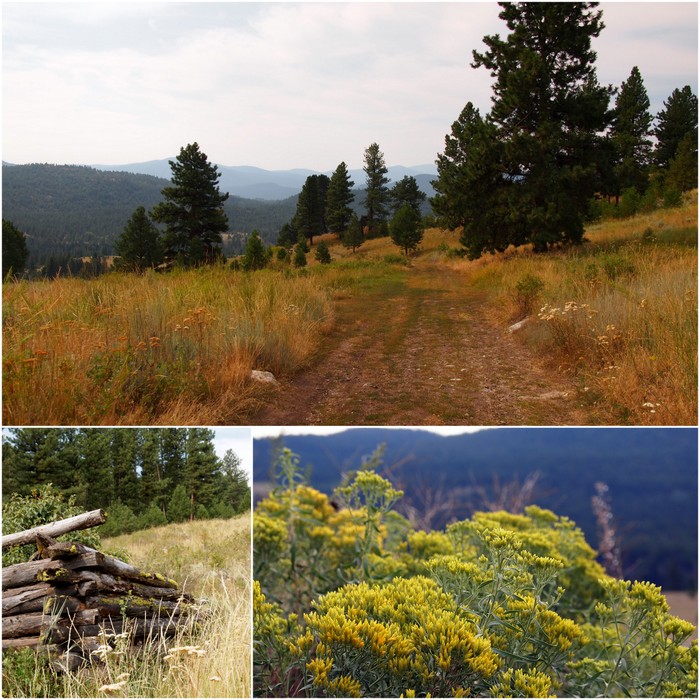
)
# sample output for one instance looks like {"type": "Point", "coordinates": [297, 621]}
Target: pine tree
{"type": "Point", "coordinates": [406, 191]}
{"type": "Point", "coordinates": [124, 463]}
{"type": "Point", "coordinates": [97, 478]}
{"type": "Point", "coordinates": [376, 193]}
{"type": "Point", "coordinates": [340, 196]}
{"type": "Point", "coordinates": [255, 256]}
{"type": "Point", "coordinates": [548, 110]}
{"type": "Point", "coordinates": [154, 486]}
{"type": "Point", "coordinates": [172, 454]}
{"type": "Point", "coordinates": [139, 245]}
{"type": "Point", "coordinates": [14, 249]}
{"type": "Point", "coordinates": [299, 256]}
{"type": "Point", "coordinates": [201, 466]}
{"type": "Point", "coordinates": [179, 505]}
{"type": "Point", "coordinates": [630, 131]}
{"type": "Point", "coordinates": [323, 255]}
{"type": "Point", "coordinates": [353, 237]}
{"type": "Point", "coordinates": [470, 191]}
{"type": "Point", "coordinates": [288, 235]}
{"type": "Point", "coordinates": [682, 172]}
{"type": "Point", "coordinates": [234, 491]}
{"type": "Point", "coordinates": [678, 118]}
{"type": "Point", "coordinates": [406, 229]}
{"type": "Point", "coordinates": [310, 217]}
{"type": "Point", "coordinates": [193, 209]}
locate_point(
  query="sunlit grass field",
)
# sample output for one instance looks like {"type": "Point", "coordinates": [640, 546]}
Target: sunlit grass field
{"type": "Point", "coordinates": [619, 312]}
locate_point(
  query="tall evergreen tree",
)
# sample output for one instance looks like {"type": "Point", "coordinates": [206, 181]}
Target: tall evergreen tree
{"type": "Point", "coordinates": [201, 467]}
{"type": "Point", "coordinates": [406, 191]}
{"type": "Point", "coordinates": [96, 478]}
{"type": "Point", "coordinates": [310, 217]}
{"type": "Point", "coordinates": [139, 245]}
{"type": "Point", "coordinates": [548, 110]}
{"type": "Point", "coordinates": [14, 249]}
{"type": "Point", "coordinates": [376, 190]}
{"type": "Point", "coordinates": [153, 485]}
{"type": "Point", "coordinates": [124, 463]}
{"type": "Point", "coordinates": [470, 192]}
{"type": "Point", "coordinates": [682, 174]}
{"type": "Point", "coordinates": [173, 453]}
{"type": "Point", "coordinates": [193, 210]}
{"type": "Point", "coordinates": [340, 196]}
{"type": "Point", "coordinates": [234, 490]}
{"type": "Point", "coordinates": [630, 131]}
{"type": "Point", "coordinates": [678, 118]}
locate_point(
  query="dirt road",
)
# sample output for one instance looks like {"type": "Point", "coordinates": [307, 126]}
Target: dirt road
{"type": "Point", "coordinates": [422, 353]}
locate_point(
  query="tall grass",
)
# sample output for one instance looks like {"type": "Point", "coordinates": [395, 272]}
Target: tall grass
{"type": "Point", "coordinates": [620, 312]}
{"type": "Point", "coordinates": [211, 659]}
{"type": "Point", "coordinates": [171, 349]}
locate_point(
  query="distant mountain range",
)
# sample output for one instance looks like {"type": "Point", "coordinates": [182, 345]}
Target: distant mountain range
{"type": "Point", "coordinates": [652, 475]}
{"type": "Point", "coordinates": [256, 183]}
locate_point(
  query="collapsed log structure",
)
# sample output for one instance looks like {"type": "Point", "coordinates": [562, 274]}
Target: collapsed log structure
{"type": "Point", "coordinates": [69, 598]}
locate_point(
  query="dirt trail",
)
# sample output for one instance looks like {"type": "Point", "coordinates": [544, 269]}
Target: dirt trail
{"type": "Point", "coordinates": [423, 354]}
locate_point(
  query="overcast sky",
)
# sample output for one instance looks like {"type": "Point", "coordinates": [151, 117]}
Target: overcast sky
{"type": "Point", "coordinates": [279, 85]}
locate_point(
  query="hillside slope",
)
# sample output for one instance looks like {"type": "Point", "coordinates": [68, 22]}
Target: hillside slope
{"type": "Point", "coordinates": [651, 474]}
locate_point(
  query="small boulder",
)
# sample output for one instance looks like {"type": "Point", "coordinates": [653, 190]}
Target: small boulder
{"type": "Point", "coordinates": [265, 377]}
{"type": "Point", "coordinates": [517, 326]}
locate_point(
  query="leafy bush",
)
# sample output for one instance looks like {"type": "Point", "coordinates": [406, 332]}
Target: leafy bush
{"type": "Point", "coordinates": [528, 290]}
{"type": "Point", "coordinates": [350, 601]}
{"type": "Point", "coordinates": [42, 507]}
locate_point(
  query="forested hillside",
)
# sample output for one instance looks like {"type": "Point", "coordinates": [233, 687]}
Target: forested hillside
{"type": "Point", "coordinates": [141, 477]}
{"type": "Point", "coordinates": [70, 211]}
{"type": "Point", "coordinates": [651, 475]}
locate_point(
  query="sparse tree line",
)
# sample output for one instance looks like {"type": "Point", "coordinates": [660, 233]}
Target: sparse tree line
{"type": "Point", "coordinates": [550, 155]}
{"type": "Point", "coordinates": [141, 477]}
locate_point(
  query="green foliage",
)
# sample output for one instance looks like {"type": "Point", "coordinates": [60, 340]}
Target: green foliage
{"type": "Point", "coordinates": [406, 229]}
{"type": "Point", "coordinates": [299, 259]}
{"type": "Point", "coordinates": [43, 506]}
{"type": "Point", "coordinates": [26, 674]}
{"type": "Point", "coordinates": [193, 210]}
{"type": "Point", "coordinates": [139, 245]}
{"type": "Point", "coordinates": [678, 119]}
{"type": "Point", "coordinates": [528, 290]}
{"type": "Point", "coordinates": [323, 255]}
{"type": "Point", "coordinates": [353, 237]}
{"type": "Point", "coordinates": [352, 602]}
{"type": "Point", "coordinates": [153, 516]}
{"type": "Point", "coordinates": [120, 519]}
{"type": "Point", "coordinates": [377, 192]}
{"type": "Point", "coordinates": [310, 217]}
{"type": "Point", "coordinates": [340, 196]}
{"type": "Point", "coordinates": [255, 256]}
{"type": "Point", "coordinates": [406, 191]}
{"type": "Point", "coordinates": [14, 249]}
{"type": "Point", "coordinates": [178, 505]}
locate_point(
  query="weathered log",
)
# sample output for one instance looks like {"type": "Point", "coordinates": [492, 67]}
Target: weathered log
{"type": "Point", "coordinates": [51, 602]}
{"type": "Point", "coordinates": [17, 598]}
{"type": "Point", "coordinates": [20, 643]}
{"type": "Point", "coordinates": [29, 625]}
{"type": "Point", "coordinates": [59, 570]}
{"type": "Point", "coordinates": [55, 529]}
{"type": "Point", "coordinates": [116, 606]}
{"type": "Point", "coordinates": [93, 582]}
{"type": "Point", "coordinates": [139, 628]}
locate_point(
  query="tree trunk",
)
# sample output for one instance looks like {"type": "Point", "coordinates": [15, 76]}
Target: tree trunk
{"type": "Point", "coordinates": [55, 529]}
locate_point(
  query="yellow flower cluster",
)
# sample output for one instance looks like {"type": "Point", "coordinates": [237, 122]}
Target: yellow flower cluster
{"type": "Point", "coordinates": [523, 684]}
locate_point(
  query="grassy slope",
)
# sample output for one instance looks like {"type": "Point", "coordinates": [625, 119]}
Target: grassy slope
{"type": "Point", "coordinates": [177, 349]}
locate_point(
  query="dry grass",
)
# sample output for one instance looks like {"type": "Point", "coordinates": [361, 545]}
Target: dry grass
{"type": "Point", "coordinates": [169, 349]}
{"type": "Point", "coordinates": [620, 312]}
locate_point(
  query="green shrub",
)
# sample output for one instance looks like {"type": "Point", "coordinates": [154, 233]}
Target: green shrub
{"type": "Point", "coordinates": [43, 506]}
{"type": "Point", "coordinates": [528, 290]}
{"type": "Point", "coordinates": [120, 520]}
{"type": "Point", "coordinates": [350, 601]}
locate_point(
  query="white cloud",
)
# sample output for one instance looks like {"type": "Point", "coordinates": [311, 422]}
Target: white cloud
{"type": "Point", "coordinates": [279, 84]}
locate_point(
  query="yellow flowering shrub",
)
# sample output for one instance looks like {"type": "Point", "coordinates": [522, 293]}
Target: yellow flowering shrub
{"type": "Point", "coordinates": [350, 601]}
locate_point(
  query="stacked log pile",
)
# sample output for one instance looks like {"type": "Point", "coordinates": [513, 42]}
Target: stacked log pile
{"type": "Point", "coordinates": [69, 598]}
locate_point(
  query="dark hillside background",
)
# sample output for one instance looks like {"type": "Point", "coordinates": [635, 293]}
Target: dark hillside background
{"type": "Point", "coordinates": [651, 474]}
{"type": "Point", "coordinates": [73, 211]}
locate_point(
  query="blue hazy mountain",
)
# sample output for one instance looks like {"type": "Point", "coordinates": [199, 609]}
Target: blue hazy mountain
{"type": "Point", "coordinates": [652, 475]}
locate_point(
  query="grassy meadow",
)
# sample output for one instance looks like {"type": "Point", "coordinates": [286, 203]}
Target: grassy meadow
{"type": "Point", "coordinates": [619, 313]}
{"type": "Point", "coordinates": [211, 560]}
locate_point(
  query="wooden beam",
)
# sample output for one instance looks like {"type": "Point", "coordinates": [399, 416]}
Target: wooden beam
{"type": "Point", "coordinates": [56, 529]}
